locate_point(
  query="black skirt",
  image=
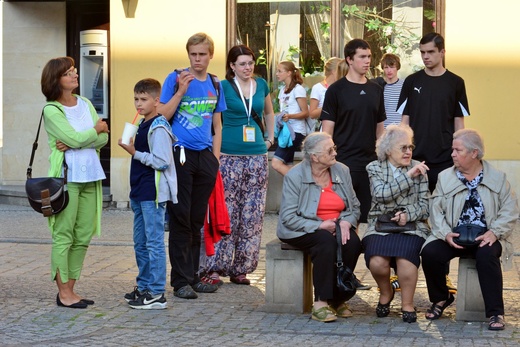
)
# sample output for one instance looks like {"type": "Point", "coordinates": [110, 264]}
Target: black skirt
{"type": "Point", "coordinates": [393, 245]}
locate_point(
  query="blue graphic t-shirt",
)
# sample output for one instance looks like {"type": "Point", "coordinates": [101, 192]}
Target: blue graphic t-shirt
{"type": "Point", "coordinates": [193, 118]}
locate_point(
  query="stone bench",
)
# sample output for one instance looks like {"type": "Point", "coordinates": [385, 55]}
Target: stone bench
{"type": "Point", "coordinates": [288, 282]}
{"type": "Point", "coordinates": [470, 304]}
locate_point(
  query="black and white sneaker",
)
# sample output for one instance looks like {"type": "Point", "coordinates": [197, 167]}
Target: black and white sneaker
{"type": "Point", "coordinates": [132, 296]}
{"type": "Point", "coordinates": [148, 301]}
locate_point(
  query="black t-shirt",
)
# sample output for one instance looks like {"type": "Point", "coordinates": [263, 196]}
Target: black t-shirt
{"type": "Point", "coordinates": [356, 109]}
{"type": "Point", "coordinates": [433, 102]}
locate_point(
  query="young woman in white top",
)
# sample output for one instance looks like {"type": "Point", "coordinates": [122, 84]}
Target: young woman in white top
{"type": "Point", "coordinates": [294, 110]}
{"type": "Point", "coordinates": [335, 68]}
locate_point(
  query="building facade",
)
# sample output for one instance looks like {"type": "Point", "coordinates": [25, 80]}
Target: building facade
{"type": "Point", "coordinates": [147, 38]}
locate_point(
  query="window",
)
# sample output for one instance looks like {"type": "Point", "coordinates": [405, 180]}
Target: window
{"type": "Point", "coordinates": [309, 32]}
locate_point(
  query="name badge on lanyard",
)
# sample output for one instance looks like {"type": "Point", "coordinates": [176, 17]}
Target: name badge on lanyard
{"type": "Point", "coordinates": [249, 131]}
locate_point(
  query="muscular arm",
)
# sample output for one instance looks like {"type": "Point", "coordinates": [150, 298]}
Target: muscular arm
{"type": "Point", "coordinates": [459, 123]}
{"type": "Point", "coordinates": [327, 126]}
{"type": "Point", "coordinates": [380, 128]}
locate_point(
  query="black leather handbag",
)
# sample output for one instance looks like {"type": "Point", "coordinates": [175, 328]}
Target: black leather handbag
{"type": "Point", "coordinates": [46, 195]}
{"type": "Point", "coordinates": [345, 278]}
{"type": "Point", "coordinates": [385, 224]}
{"type": "Point", "coordinates": [467, 234]}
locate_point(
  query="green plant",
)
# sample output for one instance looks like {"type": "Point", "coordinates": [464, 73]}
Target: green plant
{"type": "Point", "coordinates": [307, 64]}
{"type": "Point", "coordinates": [391, 35]}
{"type": "Point", "coordinates": [262, 59]}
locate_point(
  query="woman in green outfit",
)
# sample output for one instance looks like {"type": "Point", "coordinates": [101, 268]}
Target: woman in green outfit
{"type": "Point", "coordinates": [76, 135]}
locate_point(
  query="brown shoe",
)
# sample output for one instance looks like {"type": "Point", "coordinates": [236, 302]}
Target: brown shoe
{"type": "Point", "coordinates": [240, 279]}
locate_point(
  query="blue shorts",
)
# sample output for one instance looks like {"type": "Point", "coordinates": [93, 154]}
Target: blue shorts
{"type": "Point", "coordinates": [287, 154]}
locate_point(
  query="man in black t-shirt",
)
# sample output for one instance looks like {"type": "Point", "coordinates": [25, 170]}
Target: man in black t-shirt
{"type": "Point", "coordinates": [433, 102]}
{"type": "Point", "coordinates": [353, 113]}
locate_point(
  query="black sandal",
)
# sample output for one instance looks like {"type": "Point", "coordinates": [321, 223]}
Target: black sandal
{"type": "Point", "coordinates": [437, 310]}
{"type": "Point", "coordinates": [499, 320]}
{"type": "Point", "coordinates": [383, 310]}
{"type": "Point", "coordinates": [409, 316]}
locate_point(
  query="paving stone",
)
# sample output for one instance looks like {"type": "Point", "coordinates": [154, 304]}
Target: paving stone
{"type": "Point", "coordinates": [230, 317]}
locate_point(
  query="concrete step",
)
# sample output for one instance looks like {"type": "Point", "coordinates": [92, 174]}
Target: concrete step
{"type": "Point", "coordinates": [15, 195]}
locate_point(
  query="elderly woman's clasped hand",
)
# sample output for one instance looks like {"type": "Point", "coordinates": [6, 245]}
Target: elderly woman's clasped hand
{"type": "Point", "coordinates": [330, 225]}
{"type": "Point", "coordinates": [487, 239]}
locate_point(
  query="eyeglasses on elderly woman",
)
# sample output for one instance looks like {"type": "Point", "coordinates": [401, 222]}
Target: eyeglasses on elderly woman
{"type": "Point", "coordinates": [405, 148]}
{"type": "Point", "coordinates": [330, 150]}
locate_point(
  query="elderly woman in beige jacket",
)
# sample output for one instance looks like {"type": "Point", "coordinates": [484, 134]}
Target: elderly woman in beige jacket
{"type": "Point", "coordinates": [398, 185]}
{"type": "Point", "coordinates": [471, 192]}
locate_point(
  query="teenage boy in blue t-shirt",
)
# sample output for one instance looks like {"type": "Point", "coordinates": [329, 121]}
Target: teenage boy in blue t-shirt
{"type": "Point", "coordinates": [190, 101]}
{"type": "Point", "coordinates": [153, 181]}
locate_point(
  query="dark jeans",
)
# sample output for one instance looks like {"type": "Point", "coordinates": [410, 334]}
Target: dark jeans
{"type": "Point", "coordinates": [321, 246]}
{"type": "Point", "coordinates": [361, 185]}
{"type": "Point", "coordinates": [196, 179]}
{"type": "Point", "coordinates": [438, 253]}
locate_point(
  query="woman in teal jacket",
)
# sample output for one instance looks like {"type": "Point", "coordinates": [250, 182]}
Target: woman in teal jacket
{"type": "Point", "coordinates": [76, 134]}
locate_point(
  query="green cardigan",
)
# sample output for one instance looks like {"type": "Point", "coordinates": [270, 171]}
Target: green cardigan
{"type": "Point", "coordinates": [59, 128]}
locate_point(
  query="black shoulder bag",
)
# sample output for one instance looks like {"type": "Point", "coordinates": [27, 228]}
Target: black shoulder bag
{"type": "Point", "coordinates": [255, 116]}
{"type": "Point", "coordinates": [46, 195]}
{"type": "Point", "coordinates": [345, 278]}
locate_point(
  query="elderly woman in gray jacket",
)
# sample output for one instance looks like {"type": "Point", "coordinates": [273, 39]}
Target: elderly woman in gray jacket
{"type": "Point", "coordinates": [318, 193]}
{"type": "Point", "coordinates": [399, 187]}
{"type": "Point", "coordinates": [471, 192]}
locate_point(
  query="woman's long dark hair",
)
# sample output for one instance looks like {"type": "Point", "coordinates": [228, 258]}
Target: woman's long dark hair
{"type": "Point", "coordinates": [232, 57]}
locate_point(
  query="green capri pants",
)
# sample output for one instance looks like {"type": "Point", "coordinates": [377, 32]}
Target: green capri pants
{"type": "Point", "coordinates": [72, 231]}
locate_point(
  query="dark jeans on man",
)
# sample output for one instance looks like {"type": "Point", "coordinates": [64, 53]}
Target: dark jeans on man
{"type": "Point", "coordinates": [437, 253]}
{"type": "Point", "coordinates": [361, 185]}
{"type": "Point", "coordinates": [321, 246]}
{"type": "Point", "coordinates": [196, 179]}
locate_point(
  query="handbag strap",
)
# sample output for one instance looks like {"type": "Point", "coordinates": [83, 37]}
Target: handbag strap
{"type": "Point", "coordinates": [255, 116]}
{"type": "Point", "coordinates": [339, 256]}
{"type": "Point", "coordinates": [35, 147]}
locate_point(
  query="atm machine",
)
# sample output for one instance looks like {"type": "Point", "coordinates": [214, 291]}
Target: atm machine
{"type": "Point", "coordinates": [93, 74]}
{"type": "Point", "coordinates": [93, 81]}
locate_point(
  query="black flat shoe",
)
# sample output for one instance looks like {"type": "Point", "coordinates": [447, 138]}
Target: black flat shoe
{"type": "Point", "coordinates": [409, 316]}
{"type": "Point", "coordinates": [383, 310]}
{"type": "Point", "coordinates": [78, 304]}
{"type": "Point", "coordinates": [87, 301]}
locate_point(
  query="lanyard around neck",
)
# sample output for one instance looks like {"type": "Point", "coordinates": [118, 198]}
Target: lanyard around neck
{"type": "Point", "coordinates": [247, 106]}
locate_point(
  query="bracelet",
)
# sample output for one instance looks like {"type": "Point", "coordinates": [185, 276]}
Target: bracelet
{"type": "Point", "coordinates": [271, 142]}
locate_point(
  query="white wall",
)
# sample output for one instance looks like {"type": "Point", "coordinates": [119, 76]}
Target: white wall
{"type": "Point", "coordinates": [32, 34]}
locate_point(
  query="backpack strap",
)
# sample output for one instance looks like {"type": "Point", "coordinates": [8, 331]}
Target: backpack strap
{"type": "Point", "coordinates": [255, 116]}
{"type": "Point", "coordinates": [214, 80]}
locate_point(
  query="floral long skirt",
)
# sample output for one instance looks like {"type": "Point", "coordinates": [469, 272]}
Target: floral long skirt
{"type": "Point", "coordinates": [245, 185]}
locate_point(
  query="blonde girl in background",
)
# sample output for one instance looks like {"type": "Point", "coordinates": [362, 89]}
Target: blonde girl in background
{"type": "Point", "coordinates": [334, 69]}
{"type": "Point", "coordinates": [293, 110]}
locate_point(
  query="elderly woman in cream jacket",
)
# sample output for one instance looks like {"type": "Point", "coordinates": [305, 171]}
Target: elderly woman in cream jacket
{"type": "Point", "coordinates": [470, 192]}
